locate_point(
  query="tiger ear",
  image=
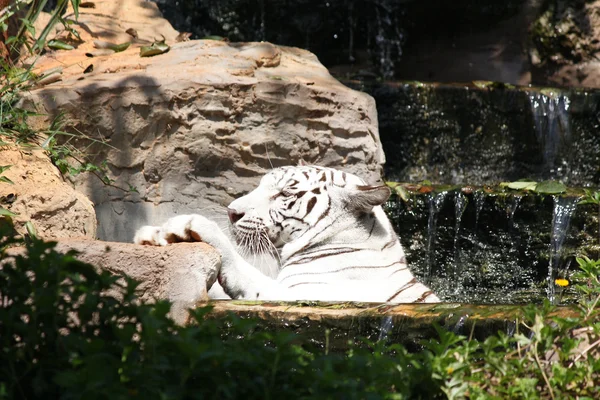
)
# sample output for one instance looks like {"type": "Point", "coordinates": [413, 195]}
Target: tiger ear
{"type": "Point", "coordinates": [364, 197]}
{"type": "Point", "coordinates": [302, 163]}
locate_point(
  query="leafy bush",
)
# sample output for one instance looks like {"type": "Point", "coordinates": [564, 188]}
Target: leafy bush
{"type": "Point", "coordinates": [64, 333]}
{"type": "Point", "coordinates": [67, 331]}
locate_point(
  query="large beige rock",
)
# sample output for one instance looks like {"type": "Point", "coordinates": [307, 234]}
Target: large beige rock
{"type": "Point", "coordinates": [40, 195]}
{"type": "Point", "coordinates": [198, 126]}
{"type": "Point", "coordinates": [181, 273]}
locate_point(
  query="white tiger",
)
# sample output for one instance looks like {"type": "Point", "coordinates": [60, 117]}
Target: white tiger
{"type": "Point", "coordinates": [332, 236]}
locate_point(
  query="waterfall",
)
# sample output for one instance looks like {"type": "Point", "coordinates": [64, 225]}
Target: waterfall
{"type": "Point", "coordinates": [388, 39]}
{"type": "Point", "coordinates": [479, 198]}
{"type": "Point", "coordinates": [385, 328]}
{"type": "Point", "coordinates": [435, 204]}
{"type": "Point", "coordinates": [460, 204]}
{"type": "Point", "coordinates": [551, 119]}
{"type": "Point", "coordinates": [564, 207]}
{"type": "Point", "coordinates": [460, 324]}
{"type": "Point", "coordinates": [511, 209]}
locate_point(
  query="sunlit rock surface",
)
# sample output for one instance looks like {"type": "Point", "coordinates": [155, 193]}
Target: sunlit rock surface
{"type": "Point", "coordinates": [39, 195]}
{"type": "Point", "coordinates": [192, 129]}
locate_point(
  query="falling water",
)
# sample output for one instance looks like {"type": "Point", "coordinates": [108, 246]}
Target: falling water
{"type": "Point", "coordinates": [460, 204]}
{"type": "Point", "coordinates": [551, 118]}
{"type": "Point", "coordinates": [388, 39]}
{"type": "Point", "coordinates": [385, 328]}
{"type": "Point", "coordinates": [460, 324]}
{"type": "Point", "coordinates": [511, 209]}
{"type": "Point", "coordinates": [435, 204]}
{"type": "Point", "coordinates": [511, 328]}
{"type": "Point", "coordinates": [564, 207]}
{"type": "Point", "coordinates": [479, 198]}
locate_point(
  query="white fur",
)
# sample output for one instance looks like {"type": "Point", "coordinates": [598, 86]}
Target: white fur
{"type": "Point", "coordinates": [328, 229]}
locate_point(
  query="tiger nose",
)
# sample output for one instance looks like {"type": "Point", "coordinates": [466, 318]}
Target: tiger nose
{"type": "Point", "coordinates": [234, 216]}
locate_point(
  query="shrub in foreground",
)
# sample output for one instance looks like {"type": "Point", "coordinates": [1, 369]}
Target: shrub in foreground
{"type": "Point", "coordinates": [67, 331]}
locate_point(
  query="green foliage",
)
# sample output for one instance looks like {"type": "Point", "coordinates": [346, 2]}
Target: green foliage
{"type": "Point", "coordinates": [26, 31]}
{"type": "Point", "coordinates": [591, 197]}
{"type": "Point", "coordinates": [14, 118]}
{"type": "Point", "coordinates": [4, 179]}
{"type": "Point", "coordinates": [546, 187]}
{"type": "Point", "coordinates": [68, 331]}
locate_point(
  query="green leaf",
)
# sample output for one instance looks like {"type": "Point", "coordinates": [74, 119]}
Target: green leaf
{"type": "Point", "coordinates": [31, 229]}
{"type": "Point", "coordinates": [58, 45]}
{"type": "Point", "coordinates": [550, 187]}
{"type": "Point", "coordinates": [5, 213]}
{"type": "Point", "coordinates": [4, 178]}
{"type": "Point", "coordinates": [121, 47]}
{"type": "Point", "coordinates": [75, 4]}
{"type": "Point", "coordinates": [154, 49]}
{"type": "Point", "coordinates": [402, 192]}
{"type": "Point", "coordinates": [100, 44]}
{"type": "Point", "coordinates": [54, 18]}
{"type": "Point", "coordinates": [520, 185]}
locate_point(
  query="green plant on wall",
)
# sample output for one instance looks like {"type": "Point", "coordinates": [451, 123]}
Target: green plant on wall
{"type": "Point", "coordinates": [593, 197]}
{"type": "Point", "coordinates": [26, 28]}
{"type": "Point", "coordinates": [54, 139]}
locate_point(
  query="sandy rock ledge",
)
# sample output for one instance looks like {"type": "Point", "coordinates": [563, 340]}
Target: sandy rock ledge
{"type": "Point", "coordinates": [40, 195]}
{"type": "Point", "coordinates": [181, 273]}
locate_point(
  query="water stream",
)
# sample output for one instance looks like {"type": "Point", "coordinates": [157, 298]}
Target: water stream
{"type": "Point", "coordinates": [385, 328]}
{"type": "Point", "coordinates": [460, 205]}
{"type": "Point", "coordinates": [511, 209]}
{"type": "Point", "coordinates": [564, 207]}
{"type": "Point", "coordinates": [551, 119]}
{"type": "Point", "coordinates": [436, 201]}
{"type": "Point", "coordinates": [479, 198]}
{"type": "Point", "coordinates": [388, 41]}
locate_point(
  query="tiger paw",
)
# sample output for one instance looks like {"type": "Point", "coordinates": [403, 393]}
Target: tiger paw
{"type": "Point", "coordinates": [179, 229]}
{"type": "Point", "coordinates": [150, 235]}
{"type": "Point", "coordinates": [176, 229]}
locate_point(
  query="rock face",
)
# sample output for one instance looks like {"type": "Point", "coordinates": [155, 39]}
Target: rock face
{"type": "Point", "coordinates": [196, 127]}
{"type": "Point", "coordinates": [181, 273]}
{"type": "Point", "coordinates": [40, 195]}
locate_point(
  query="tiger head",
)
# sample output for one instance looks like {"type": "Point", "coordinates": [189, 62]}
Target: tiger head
{"type": "Point", "coordinates": [291, 201]}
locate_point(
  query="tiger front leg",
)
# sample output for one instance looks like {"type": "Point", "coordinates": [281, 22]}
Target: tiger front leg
{"type": "Point", "coordinates": [239, 279]}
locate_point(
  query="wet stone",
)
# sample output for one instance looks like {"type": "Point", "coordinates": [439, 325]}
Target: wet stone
{"type": "Point", "coordinates": [486, 132]}
{"type": "Point", "coordinates": [499, 247]}
{"type": "Point", "coordinates": [335, 326]}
